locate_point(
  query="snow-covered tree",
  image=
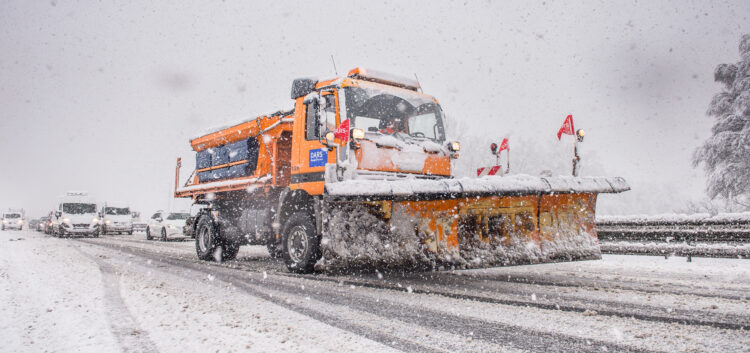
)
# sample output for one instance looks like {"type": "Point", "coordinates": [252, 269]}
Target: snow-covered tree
{"type": "Point", "coordinates": [725, 156]}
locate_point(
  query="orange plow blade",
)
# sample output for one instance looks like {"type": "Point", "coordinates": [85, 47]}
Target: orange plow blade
{"type": "Point", "coordinates": [490, 224]}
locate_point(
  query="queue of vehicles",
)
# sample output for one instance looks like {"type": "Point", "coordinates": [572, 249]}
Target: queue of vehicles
{"type": "Point", "coordinates": [78, 214]}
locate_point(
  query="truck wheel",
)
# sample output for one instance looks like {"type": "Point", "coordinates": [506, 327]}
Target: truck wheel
{"type": "Point", "coordinates": [206, 238]}
{"type": "Point", "coordinates": [300, 244]}
{"type": "Point", "coordinates": [148, 234]}
{"type": "Point", "coordinates": [163, 235]}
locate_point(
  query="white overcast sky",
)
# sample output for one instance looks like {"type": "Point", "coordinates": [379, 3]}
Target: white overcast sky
{"type": "Point", "coordinates": [103, 96]}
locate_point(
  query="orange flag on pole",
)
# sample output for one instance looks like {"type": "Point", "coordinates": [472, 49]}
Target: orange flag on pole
{"type": "Point", "coordinates": [567, 127]}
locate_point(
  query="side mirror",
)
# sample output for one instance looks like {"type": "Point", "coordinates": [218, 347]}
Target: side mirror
{"type": "Point", "coordinates": [58, 214]}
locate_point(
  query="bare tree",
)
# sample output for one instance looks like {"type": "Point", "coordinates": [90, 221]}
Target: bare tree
{"type": "Point", "coordinates": [725, 156]}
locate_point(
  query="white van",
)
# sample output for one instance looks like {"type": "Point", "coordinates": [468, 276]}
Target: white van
{"type": "Point", "coordinates": [116, 218]}
{"type": "Point", "coordinates": [12, 220]}
{"type": "Point", "coordinates": [76, 215]}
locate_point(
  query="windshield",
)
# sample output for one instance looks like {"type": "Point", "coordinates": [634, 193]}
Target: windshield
{"type": "Point", "coordinates": [173, 216]}
{"type": "Point", "coordinates": [79, 208]}
{"type": "Point", "coordinates": [12, 215]}
{"type": "Point", "coordinates": [394, 112]}
{"type": "Point", "coordinates": [116, 211]}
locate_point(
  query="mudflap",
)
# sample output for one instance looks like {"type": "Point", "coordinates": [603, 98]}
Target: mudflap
{"type": "Point", "coordinates": [468, 232]}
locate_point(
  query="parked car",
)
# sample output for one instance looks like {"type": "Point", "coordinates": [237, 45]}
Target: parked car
{"type": "Point", "coordinates": [166, 225]}
{"type": "Point", "coordinates": [12, 220]}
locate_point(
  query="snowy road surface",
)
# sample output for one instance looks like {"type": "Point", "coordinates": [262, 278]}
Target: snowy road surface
{"type": "Point", "coordinates": [126, 294]}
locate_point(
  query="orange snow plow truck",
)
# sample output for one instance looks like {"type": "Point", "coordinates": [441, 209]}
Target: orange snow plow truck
{"type": "Point", "coordinates": [358, 175]}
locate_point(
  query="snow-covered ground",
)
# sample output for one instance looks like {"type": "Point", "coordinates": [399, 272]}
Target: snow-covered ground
{"type": "Point", "coordinates": [127, 294]}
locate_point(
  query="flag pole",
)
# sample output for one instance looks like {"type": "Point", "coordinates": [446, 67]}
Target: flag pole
{"type": "Point", "coordinates": [575, 156]}
{"type": "Point", "coordinates": [507, 169]}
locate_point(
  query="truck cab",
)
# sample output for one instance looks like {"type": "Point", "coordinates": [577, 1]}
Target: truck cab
{"type": "Point", "coordinates": [368, 125]}
{"type": "Point", "coordinates": [116, 218]}
{"type": "Point", "coordinates": [12, 220]}
{"type": "Point", "coordinates": [76, 214]}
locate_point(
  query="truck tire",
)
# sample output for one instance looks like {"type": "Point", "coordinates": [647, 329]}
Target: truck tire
{"type": "Point", "coordinates": [300, 243]}
{"type": "Point", "coordinates": [206, 238]}
{"type": "Point", "coordinates": [148, 233]}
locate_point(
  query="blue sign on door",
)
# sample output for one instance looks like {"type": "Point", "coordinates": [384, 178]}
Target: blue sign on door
{"type": "Point", "coordinates": [318, 158]}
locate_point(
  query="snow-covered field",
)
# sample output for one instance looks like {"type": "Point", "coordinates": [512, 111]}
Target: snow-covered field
{"type": "Point", "coordinates": [127, 294]}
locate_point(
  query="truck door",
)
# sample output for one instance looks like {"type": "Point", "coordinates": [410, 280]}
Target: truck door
{"type": "Point", "coordinates": [311, 154]}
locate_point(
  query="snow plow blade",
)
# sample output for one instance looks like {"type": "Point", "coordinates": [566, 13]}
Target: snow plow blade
{"type": "Point", "coordinates": [461, 223]}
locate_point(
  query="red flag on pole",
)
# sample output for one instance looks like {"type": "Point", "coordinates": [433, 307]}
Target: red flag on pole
{"type": "Point", "coordinates": [342, 132]}
{"type": "Point", "coordinates": [503, 146]}
{"type": "Point", "coordinates": [567, 127]}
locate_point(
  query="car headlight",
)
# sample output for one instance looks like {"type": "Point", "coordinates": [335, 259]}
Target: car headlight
{"type": "Point", "coordinates": [170, 226]}
{"type": "Point", "coordinates": [106, 221]}
{"type": "Point", "coordinates": [66, 220]}
{"type": "Point", "coordinates": [20, 221]}
{"type": "Point", "coordinates": [95, 220]}
{"type": "Point", "coordinates": [4, 221]}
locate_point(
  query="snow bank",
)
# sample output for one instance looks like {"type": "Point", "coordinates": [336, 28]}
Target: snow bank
{"type": "Point", "coordinates": [677, 218]}
{"type": "Point", "coordinates": [679, 249]}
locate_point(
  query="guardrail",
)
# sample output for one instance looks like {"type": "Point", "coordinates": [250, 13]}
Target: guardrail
{"type": "Point", "coordinates": [724, 235]}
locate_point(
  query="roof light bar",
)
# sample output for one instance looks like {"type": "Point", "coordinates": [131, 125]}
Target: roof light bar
{"type": "Point", "coordinates": [384, 78]}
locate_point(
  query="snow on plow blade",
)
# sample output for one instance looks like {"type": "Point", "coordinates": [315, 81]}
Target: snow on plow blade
{"type": "Point", "coordinates": [464, 223]}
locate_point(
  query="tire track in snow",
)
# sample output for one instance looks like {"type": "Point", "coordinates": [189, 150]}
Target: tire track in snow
{"type": "Point", "coordinates": [122, 323]}
{"type": "Point", "coordinates": [492, 332]}
{"type": "Point", "coordinates": [601, 306]}
{"type": "Point", "coordinates": [563, 281]}
{"type": "Point", "coordinates": [257, 291]}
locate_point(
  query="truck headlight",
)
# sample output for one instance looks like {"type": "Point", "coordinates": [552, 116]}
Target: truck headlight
{"type": "Point", "coordinates": [358, 134]}
{"type": "Point", "coordinates": [5, 221]}
{"type": "Point", "coordinates": [454, 146]}
{"type": "Point", "coordinates": [66, 220]}
{"type": "Point", "coordinates": [106, 221]}
{"type": "Point", "coordinates": [95, 220]}
{"type": "Point", "coordinates": [20, 221]}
